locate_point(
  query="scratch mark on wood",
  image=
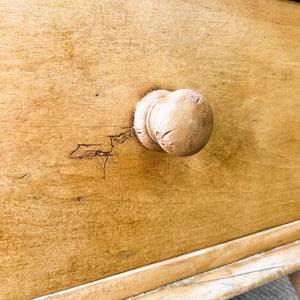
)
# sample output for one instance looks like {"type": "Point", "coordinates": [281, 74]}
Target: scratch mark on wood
{"type": "Point", "coordinates": [89, 151]}
{"type": "Point", "coordinates": [233, 276]}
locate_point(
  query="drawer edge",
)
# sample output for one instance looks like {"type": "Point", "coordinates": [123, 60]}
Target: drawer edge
{"type": "Point", "coordinates": [151, 277]}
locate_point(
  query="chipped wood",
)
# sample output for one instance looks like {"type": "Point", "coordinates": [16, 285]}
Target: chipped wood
{"type": "Point", "coordinates": [234, 279]}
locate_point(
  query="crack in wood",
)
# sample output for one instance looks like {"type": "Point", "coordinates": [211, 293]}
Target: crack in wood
{"type": "Point", "coordinates": [230, 276]}
{"type": "Point", "coordinates": [90, 151]}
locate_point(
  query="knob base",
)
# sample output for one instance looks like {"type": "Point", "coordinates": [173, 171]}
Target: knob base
{"type": "Point", "coordinates": [141, 116]}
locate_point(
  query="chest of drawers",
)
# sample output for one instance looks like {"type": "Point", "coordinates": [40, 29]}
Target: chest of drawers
{"type": "Point", "coordinates": [81, 198]}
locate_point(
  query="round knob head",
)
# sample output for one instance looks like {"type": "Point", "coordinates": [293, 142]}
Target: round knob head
{"type": "Point", "coordinates": [178, 122]}
{"type": "Point", "coordinates": [181, 122]}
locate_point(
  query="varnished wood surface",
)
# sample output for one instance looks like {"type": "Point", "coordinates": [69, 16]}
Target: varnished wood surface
{"type": "Point", "coordinates": [71, 72]}
{"type": "Point", "coordinates": [154, 276]}
{"type": "Point", "coordinates": [234, 279]}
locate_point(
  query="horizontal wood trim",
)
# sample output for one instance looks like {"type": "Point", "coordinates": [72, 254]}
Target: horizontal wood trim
{"type": "Point", "coordinates": [147, 278]}
{"type": "Point", "coordinates": [233, 279]}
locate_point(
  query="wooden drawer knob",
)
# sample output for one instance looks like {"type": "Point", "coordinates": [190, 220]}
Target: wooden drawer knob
{"type": "Point", "coordinates": [178, 122]}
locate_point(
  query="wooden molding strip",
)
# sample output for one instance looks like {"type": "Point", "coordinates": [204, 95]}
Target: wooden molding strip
{"type": "Point", "coordinates": [233, 279]}
{"type": "Point", "coordinates": [150, 277]}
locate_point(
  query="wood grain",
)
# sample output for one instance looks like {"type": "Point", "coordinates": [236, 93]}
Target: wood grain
{"type": "Point", "coordinates": [234, 279]}
{"type": "Point", "coordinates": [72, 72]}
{"type": "Point", "coordinates": [153, 276]}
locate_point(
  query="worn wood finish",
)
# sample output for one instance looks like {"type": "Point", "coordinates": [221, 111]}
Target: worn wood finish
{"type": "Point", "coordinates": [72, 72]}
{"type": "Point", "coordinates": [231, 280]}
{"type": "Point", "coordinates": [150, 277]}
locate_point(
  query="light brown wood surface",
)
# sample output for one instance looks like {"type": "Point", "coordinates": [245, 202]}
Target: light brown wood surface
{"type": "Point", "coordinates": [72, 72]}
{"type": "Point", "coordinates": [154, 276]}
{"type": "Point", "coordinates": [234, 279]}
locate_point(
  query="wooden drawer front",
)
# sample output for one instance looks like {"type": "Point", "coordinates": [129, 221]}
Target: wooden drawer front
{"type": "Point", "coordinates": [72, 73]}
